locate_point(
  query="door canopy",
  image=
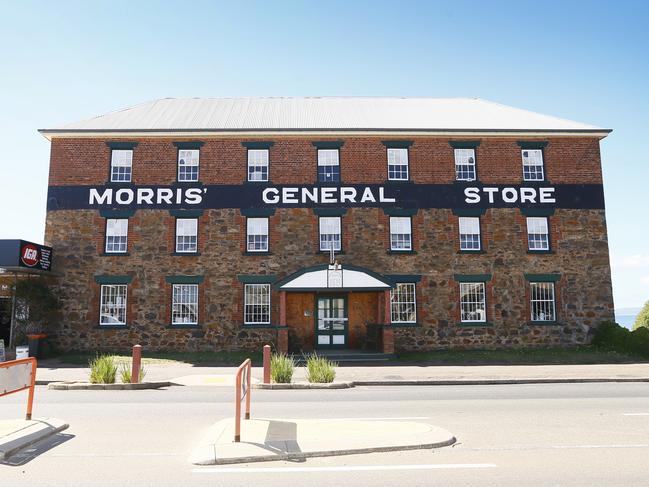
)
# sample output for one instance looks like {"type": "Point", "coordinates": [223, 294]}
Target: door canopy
{"type": "Point", "coordinates": [334, 277]}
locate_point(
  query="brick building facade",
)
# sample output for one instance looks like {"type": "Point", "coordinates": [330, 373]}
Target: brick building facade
{"type": "Point", "coordinates": [208, 225]}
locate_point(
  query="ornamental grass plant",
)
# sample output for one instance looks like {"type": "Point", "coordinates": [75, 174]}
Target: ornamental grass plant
{"type": "Point", "coordinates": [281, 368]}
{"type": "Point", "coordinates": [103, 369]}
{"type": "Point", "coordinates": [125, 372]}
{"type": "Point", "coordinates": [320, 369]}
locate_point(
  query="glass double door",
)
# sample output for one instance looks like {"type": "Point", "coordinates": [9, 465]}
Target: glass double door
{"type": "Point", "coordinates": [331, 322]}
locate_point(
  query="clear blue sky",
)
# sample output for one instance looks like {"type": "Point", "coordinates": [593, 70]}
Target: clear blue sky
{"type": "Point", "coordinates": [586, 61]}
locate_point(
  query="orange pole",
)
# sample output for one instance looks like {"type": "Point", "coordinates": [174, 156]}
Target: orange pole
{"type": "Point", "coordinates": [249, 379]}
{"type": "Point", "coordinates": [137, 360]}
{"type": "Point", "coordinates": [30, 398]}
{"type": "Point", "coordinates": [237, 413]}
{"type": "Point", "coordinates": [266, 364]}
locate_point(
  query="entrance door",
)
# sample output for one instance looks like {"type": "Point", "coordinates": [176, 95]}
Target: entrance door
{"type": "Point", "coordinates": [331, 322]}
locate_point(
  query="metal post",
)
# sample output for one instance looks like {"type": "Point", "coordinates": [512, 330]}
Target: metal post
{"type": "Point", "coordinates": [248, 380]}
{"type": "Point", "coordinates": [266, 364]}
{"type": "Point", "coordinates": [237, 413]}
{"type": "Point", "coordinates": [137, 360]}
{"type": "Point", "coordinates": [13, 313]}
{"type": "Point", "coordinates": [30, 398]}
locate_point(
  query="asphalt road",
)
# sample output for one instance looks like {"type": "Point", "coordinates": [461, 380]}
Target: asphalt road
{"type": "Point", "coordinates": [551, 434]}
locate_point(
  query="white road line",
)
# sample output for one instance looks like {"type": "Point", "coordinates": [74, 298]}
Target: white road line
{"type": "Point", "coordinates": [349, 468]}
{"type": "Point", "coordinates": [635, 414]}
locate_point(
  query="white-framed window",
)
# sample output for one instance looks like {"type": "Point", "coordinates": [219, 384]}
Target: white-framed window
{"type": "Point", "coordinates": [112, 308]}
{"type": "Point", "coordinates": [121, 165]}
{"type": "Point", "coordinates": [537, 233]}
{"type": "Point", "coordinates": [188, 164]}
{"type": "Point", "coordinates": [256, 304]}
{"type": "Point", "coordinates": [257, 234]}
{"type": "Point", "coordinates": [473, 306]}
{"type": "Point", "coordinates": [542, 301]}
{"type": "Point", "coordinates": [403, 303]}
{"type": "Point", "coordinates": [184, 306]}
{"type": "Point", "coordinates": [186, 235]}
{"type": "Point", "coordinates": [257, 164]}
{"type": "Point", "coordinates": [116, 235]}
{"type": "Point", "coordinates": [469, 232]}
{"type": "Point", "coordinates": [465, 164]}
{"type": "Point", "coordinates": [400, 233]}
{"type": "Point", "coordinates": [328, 165]}
{"type": "Point", "coordinates": [397, 164]}
{"type": "Point", "coordinates": [532, 164]}
{"type": "Point", "coordinates": [329, 232]}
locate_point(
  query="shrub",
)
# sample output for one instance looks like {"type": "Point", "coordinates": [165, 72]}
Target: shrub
{"type": "Point", "coordinates": [611, 336]}
{"type": "Point", "coordinates": [320, 369]}
{"type": "Point", "coordinates": [642, 320]}
{"type": "Point", "coordinates": [125, 372]}
{"type": "Point", "coordinates": [281, 368]}
{"type": "Point", "coordinates": [103, 370]}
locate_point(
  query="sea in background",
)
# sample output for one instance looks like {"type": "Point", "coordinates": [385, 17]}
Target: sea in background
{"type": "Point", "coordinates": [625, 320]}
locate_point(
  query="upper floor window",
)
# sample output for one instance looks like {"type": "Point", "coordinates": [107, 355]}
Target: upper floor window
{"type": "Point", "coordinates": [465, 165]}
{"type": "Point", "coordinates": [537, 233]}
{"type": "Point", "coordinates": [112, 308]}
{"type": "Point", "coordinates": [328, 165]}
{"type": "Point", "coordinates": [121, 163]}
{"type": "Point", "coordinates": [403, 304]}
{"type": "Point", "coordinates": [542, 302]}
{"type": "Point", "coordinates": [532, 164]}
{"type": "Point", "coordinates": [116, 235]}
{"type": "Point", "coordinates": [188, 164]}
{"type": "Point", "coordinates": [400, 233]}
{"type": "Point", "coordinates": [257, 164]}
{"type": "Point", "coordinates": [397, 164]}
{"type": "Point", "coordinates": [469, 233]}
{"type": "Point", "coordinates": [256, 304]}
{"type": "Point", "coordinates": [257, 234]}
{"type": "Point", "coordinates": [472, 302]}
{"type": "Point", "coordinates": [329, 232]}
{"type": "Point", "coordinates": [186, 235]}
{"type": "Point", "coordinates": [184, 307]}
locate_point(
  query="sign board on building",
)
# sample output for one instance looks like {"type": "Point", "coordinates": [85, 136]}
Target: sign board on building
{"type": "Point", "coordinates": [28, 255]}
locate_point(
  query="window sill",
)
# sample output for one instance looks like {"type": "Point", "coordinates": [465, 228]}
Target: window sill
{"type": "Point", "coordinates": [336, 252]}
{"type": "Point", "coordinates": [398, 181]}
{"type": "Point", "coordinates": [126, 184]}
{"type": "Point", "coordinates": [403, 325]}
{"type": "Point", "coordinates": [401, 251]}
{"type": "Point", "coordinates": [328, 184]}
{"type": "Point", "coordinates": [114, 254]}
{"type": "Point", "coordinates": [186, 253]}
{"type": "Point", "coordinates": [550, 251]}
{"type": "Point", "coordinates": [475, 324]}
{"type": "Point", "coordinates": [260, 253]}
{"type": "Point", "coordinates": [183, 326]}
{"type": "Point", "coordinates": [262, 326]}
{"type": "Point", "coordinates": [537, 181]}
{"type": "Point", "coordinates": [198, 183]}
{"type": "Point", "coordinates": [543, 323]}
{"type": "Point", "coordinates": [466, 181]}
{"type": "Point", "coordinates": [112, 327]}
{"type": "Point", "coordinates": [472, 251]}
{"type": "Point", "coordinates": [258, 182]}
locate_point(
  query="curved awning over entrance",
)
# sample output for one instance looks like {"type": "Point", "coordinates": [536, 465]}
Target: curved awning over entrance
{"type": "Point", "coordinates": [338, 278]}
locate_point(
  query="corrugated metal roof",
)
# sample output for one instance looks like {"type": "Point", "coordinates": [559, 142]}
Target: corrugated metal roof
{"type": "Point", "coordinates": [322, 114]}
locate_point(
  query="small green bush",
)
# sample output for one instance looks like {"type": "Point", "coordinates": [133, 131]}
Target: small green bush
{"type": "Point", "coordinates": [642, 320]}
{"type": "Point", "coordinates": [125, 372]}
{"type": "Point", "coordinates": [320, 369]}
{"type": "Point", "coordinates": [103, 370]}
{"type": "Point", "coordinates": [281, 368]}
{"type": "Point", "coordinates": [611, 336]}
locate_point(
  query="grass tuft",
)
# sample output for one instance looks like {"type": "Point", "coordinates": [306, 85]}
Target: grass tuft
{"type": "Point", "coordinates": [281, 368]}
{"type": "Point", "coordinates": [103, 369]}
{"type": "Point", "coordinates": [125, 372]}
{"type": "Point", "coordinates": [320, 369]}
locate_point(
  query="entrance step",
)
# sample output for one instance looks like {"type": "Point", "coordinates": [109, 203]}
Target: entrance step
{"type": "Point", "coordinates": [345, 356]}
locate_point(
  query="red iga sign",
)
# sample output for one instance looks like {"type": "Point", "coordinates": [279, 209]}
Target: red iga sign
{"type": "Point", "coordinates": [35, 256]}
{"type": "Point", "coordinates": [29, 255]}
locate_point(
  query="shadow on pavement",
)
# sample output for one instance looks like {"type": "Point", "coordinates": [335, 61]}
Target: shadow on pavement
{"type": "Point", "coordinates": [26, 455]}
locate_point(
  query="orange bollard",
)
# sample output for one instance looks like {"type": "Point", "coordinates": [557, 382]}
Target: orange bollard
{"type": "Point", "coordinates": [137, 360]}
{"type": "Point", "coordinates": [266, 364]}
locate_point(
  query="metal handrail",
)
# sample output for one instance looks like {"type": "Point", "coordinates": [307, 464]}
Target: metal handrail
{"type": "Point", "coordinates": [242, 390]}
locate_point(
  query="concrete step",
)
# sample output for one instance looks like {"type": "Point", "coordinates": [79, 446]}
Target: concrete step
{"type": "Point", "coordinates": [348, 356]}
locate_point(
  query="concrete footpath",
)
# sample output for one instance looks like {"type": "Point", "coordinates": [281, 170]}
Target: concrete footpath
{"type": "Point", "coordinates": [265, 440]}
{"type": "Point", "coordinates": [16, 434]}
{"type": "Point", "coordinates": [187, 374]}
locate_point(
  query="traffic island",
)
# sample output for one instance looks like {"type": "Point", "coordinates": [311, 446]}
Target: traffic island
{"type": "Point", "coordinates": [16, 434]}
{"type": "Point", "coordinates": [264, 440]}
{"type": "Point", "coordinates": [80, 386]}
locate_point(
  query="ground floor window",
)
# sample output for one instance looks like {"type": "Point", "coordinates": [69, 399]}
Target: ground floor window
{"type": "Point", "coordinates": [256, 304]}
{"type": "Point", "coordinates": [542, 301]}
{"type": "Point", "coordinates": [403, 303]}
{"type": "Point", "coordinates": [473, 307]}
{"type": "Point", "coordinates": [112, 309]}
{"type": "Point", "coordinates": [184, 308]}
